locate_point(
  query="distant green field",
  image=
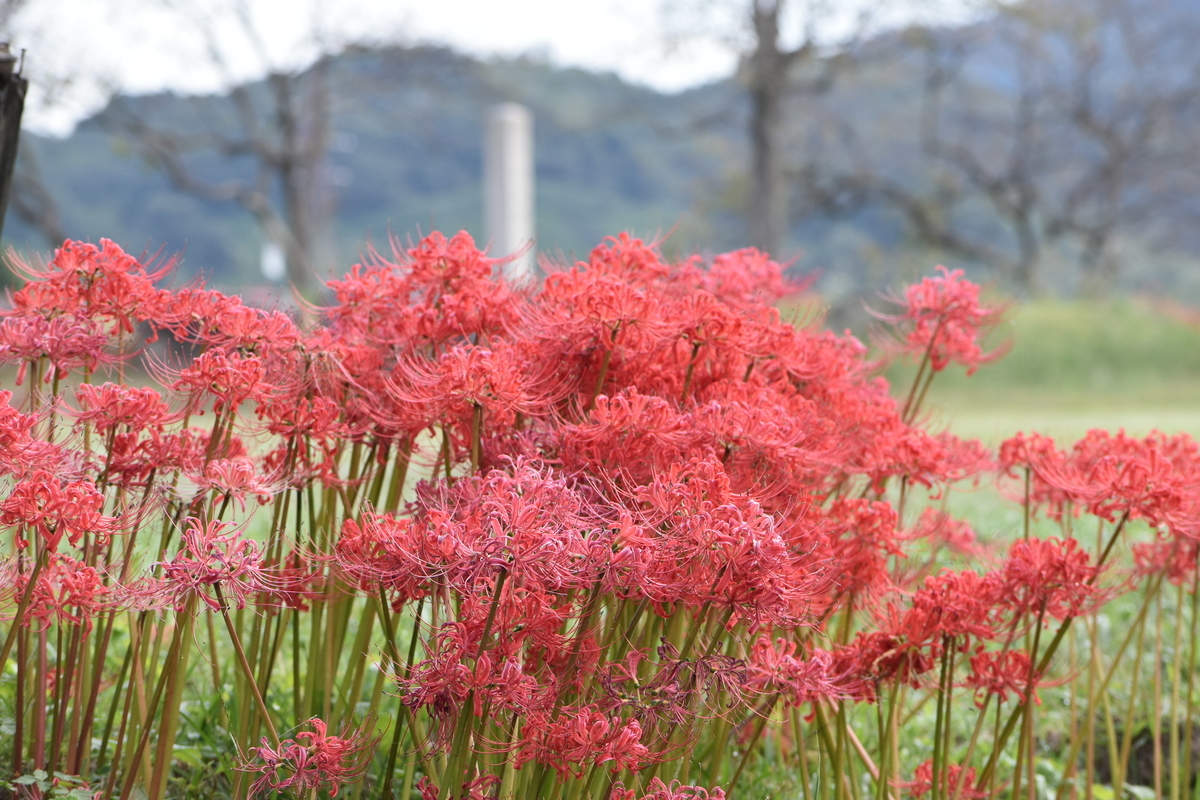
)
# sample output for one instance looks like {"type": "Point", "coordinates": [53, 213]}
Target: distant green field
{"type": "Point", "coordinates": [1074, 366]}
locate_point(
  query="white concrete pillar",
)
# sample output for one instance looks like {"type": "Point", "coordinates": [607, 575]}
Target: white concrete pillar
{"type": "Point", "coordinates": [508, 186]}
{"type": "Point", "coordinates": [273, 261]}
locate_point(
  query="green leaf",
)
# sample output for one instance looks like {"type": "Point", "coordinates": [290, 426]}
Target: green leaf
{"type": "Point", "coordinates": [190, 756]}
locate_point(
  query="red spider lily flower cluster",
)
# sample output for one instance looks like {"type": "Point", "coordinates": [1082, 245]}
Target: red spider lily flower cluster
{"type": "Point", "coordinates": [312, 761]}
{"type": "Point", "coordinates": [214, 566]}
{"type": "Point", "coordinates": [942, 321]}
{"type": "Point", "coordinates": [573, 525]}
{"type": "Point", "coordinates": [957, 779]}
{"type": "Point", "coordinates": [999, 673]}
{"type": "Point", "coordinates": [657, 790]}
{"type": "Point", "coordinates": [1110, 476]}
{"type": "Point", "coordinates": [66, 592]}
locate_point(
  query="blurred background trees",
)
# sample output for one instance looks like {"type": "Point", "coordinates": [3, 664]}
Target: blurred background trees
{"type": "Point", "coordinates": [275, 132]}
{"type": "Point", "coordinates": [1049, 144]}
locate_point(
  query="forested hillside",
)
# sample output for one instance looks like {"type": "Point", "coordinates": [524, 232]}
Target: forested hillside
{"type": "Point", "coordinates": [405, 156]}
{"type": "Point", "coordinates": [1050, 158]}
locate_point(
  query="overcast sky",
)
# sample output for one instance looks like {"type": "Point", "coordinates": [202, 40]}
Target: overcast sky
{"type": "Point", "coordinates": [79, 50]}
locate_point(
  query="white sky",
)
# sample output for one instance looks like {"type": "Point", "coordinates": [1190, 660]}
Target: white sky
{"type": "Point", "coordinates": [80, 50]}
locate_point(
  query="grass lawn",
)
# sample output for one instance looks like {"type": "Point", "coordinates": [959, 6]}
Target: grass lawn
{"type": "Point", "coordinates": [1067, 415]}
{"type": "Point", "coordinates": [1073, 367]}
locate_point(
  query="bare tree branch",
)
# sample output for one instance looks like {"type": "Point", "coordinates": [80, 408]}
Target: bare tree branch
{"type": "Point", "coordinates": [1069, 122]}
{"type": "Point", "coordinates": [280, 127]}
{"type": "Point", "coordinates": [32, 200]}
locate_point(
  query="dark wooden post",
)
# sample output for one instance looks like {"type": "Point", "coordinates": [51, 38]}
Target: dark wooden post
{"type": "Point", "coordinates": [12, 104]}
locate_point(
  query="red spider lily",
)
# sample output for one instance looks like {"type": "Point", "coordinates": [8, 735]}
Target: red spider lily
{"type": "Point", "coordinates": [501, 381]}
{"type": "Point", "coordinates": [381, 551]}
{"type": "Point", "coordinates": [514, 684]}
{"type": "Point", "coordinates": [962, 459]}
{"type": "Point", "coordinates": [694, 541]}
{"type": "Point", "coordinates": [529, 521]}
{"type": "Point", "coordinates": [230, 379]}
{"type": "Point", "coordinates": [67, 592]}
{"type": "Point", "coordinates": [66, 342]}
{"type": "Point", "coordinates": [97, 282]}
{"type": "Point", "coordinates": [21, 453]}
{"type": "Point", "coordinates": [760, 430]}
{"type": "Point", "coordinates": [642, 433]}
{"type": "Point", "coordinates": [524, 667]}
{"type": "Point", "coordinates": [427, 788]}
{"type": "Point", "coordinates": [956, 778]}
{"type": "Point", "coordinates": [1027, 451]}
{"type": "Point", "coordinates": [861, 536]}
{"type": "Point", "coordinates": [998, 673]}
{"type": "Point", "coordinates": [878, 657]}
{"type": "Point", "coordinates": [438, 292]}
{"type": "Point", "coordinates": [236, 478]}
{"type": "Point", "coordinates": [50, 508]}
{"type": "Point", "coordinates": [629, 258]}
{"type": "Point", "coordinates": [1052, 575]}
{"type": "Point", "coordinates": [111, 405]}
{"type": "Point", "coordinates": [1175, 557]}
{"type": "Point", "coordinates": [317, 418]}
{"type": "Point", "coordinates": [482, 788]}
{"type": "Point", "coordinates": [194, 314]}
{"type": "Point", "coordinates": [672, 688]}
{"type": "Point", "coordinates": [957, 606]}
{"type": "Point", "coordinates": [15, 426]}
{"type": "Point", "coordinates": [1111, 475]}
{"type": "Point", "coordinates": [1049, 488]}
{"type": "Point", "coordinates": [657, 790]}
{"type": "Point", "coordinates": [316, 762]}
{"type": "Point", "coordinates": [245, 329]}
{"type": "Point", "coordinates": [1152, 479]}
{"type": "Point", "coordinates": [942, 317]}
{"type": "Point", "coordinates": [133, 458]}
{"type": "Point", "coordinates": [441, 683]}
{"type": "Point", "coordinates": [634, 442]}
{"type": "Point", "coordinates": [580, 737]}
{"type": "Point", "coordinates": [775, 665]}
{"type": "Point", "coordinates": [748, 277]}
{"type": "Point", "coordinates": [941, 530]}
{"type": "Point", "coordinates": [211, 558]}
{"type": "Point", "coordinates": [295, 583]}
{"type": "Point", "coordinates": [594, 321]}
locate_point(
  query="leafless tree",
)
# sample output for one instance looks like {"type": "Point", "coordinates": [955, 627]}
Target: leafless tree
{"type": "Point", "coordinates": [1129, 89]}
{"type": "Point", "coordinates": [1051, 126]}
{"type": "Point", "coordinates": [773, 74]}
{"type": "Point", "coordinates": [279, 131]}
{"type": "Point", "coordinates": [780, 69]}
{"type": "Point", "coordinates": [32, 200]}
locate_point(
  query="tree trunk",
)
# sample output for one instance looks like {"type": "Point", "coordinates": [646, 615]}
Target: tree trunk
{"type": "Point", "coordinates": [768, 76]}
{"type": "Point", "coordinates": [12, 105]}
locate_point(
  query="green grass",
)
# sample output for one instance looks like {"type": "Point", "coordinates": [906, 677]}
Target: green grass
{"type": "Point", "coordinates": [1075, 366]}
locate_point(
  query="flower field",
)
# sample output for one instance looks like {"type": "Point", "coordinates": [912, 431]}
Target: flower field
{"type": "Point", "coordinates": [630, 535]}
